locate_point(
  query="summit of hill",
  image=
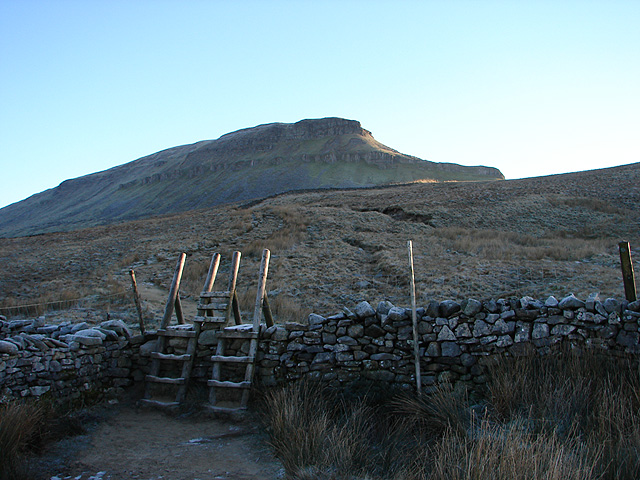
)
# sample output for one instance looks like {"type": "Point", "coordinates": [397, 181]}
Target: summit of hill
{"type": "Point", "coordinates": [241, 166]}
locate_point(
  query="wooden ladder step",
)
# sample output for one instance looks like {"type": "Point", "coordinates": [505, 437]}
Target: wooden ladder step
{"type": "Point", "coordinates": [173, 381]}
{"type": "Point", "coordinates": [169, 356]}
{"type": "Point", "coordinates": [203, 319]}
{"type": "Point", "coordinates": [176, 333]}
{"type": "Point", "coordinates": [217, 409]}
{"type": "Point", "coordinates": [218, 383]}
{"type": "Point", "coordinates": [228, 359]}
{"type": "Point", "coordinates": [159, 403]}
{"type": "Point", "coordinates": [237, 333]}
{"type": "Point", "coordinates": [226, 294]}
{"type": "Point", "coordinates": [213, 306]}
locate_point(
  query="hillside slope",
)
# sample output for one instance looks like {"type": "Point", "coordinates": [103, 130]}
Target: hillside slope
{"type": "Point", "coordinates": [538, 236]}
{"type": "Point", "coordinates": [244, 165]}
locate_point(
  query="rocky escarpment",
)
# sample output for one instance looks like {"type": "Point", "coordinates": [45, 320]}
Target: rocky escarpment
{"type": "Point", "coordinates": [244, 165]}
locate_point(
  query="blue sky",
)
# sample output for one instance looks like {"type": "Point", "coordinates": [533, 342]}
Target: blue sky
{"type": "Point", "coordinates": [532, 88]}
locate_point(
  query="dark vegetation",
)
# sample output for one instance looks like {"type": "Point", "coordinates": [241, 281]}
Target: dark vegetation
{"type": "Point", "coordinates": [570, 416]}
{"type": "Point", "coordinates": [27, 428]}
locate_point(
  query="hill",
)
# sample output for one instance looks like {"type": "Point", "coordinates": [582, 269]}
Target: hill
{"type": "Point", "coordinates": [539, 236]}
{"type": "Point", "coordinates": [244, 165]}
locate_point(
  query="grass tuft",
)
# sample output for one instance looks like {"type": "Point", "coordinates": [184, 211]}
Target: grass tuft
{"type": "Point", "coordinates": [570, 416]}
{"type": "Point", "coordinates": [19, 424]}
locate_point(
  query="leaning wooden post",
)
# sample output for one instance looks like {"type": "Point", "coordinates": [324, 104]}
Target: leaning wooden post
{"type": "Point", "coordinates": [208, 285]}
{"type": "Point", "coordinates": [627, 271]}
{"type": "Point", "coordinates": [179, 314]}
{"type": "Point", "coordinates": [262, 282]}
{"type": "Point", "coordinates": [173, 292]}
{"type": "Point", "coordinates": [136, 299]}
{"type": "Point", "coordinates": [212, 273]}
{"type": "Point", "coordinates": [233, 280]}
{"type": "Point", "coordinates": [416, 344]}
{"type": "Point", "coordinates": [266, 310]}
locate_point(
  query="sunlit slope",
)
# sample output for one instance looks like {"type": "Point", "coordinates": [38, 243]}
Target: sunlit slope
{"type": "Point", "coordinates": [240, 166]}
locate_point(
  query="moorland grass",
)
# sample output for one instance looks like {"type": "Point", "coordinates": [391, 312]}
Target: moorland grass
{"type": "Point", "coordinates": [19, 424]}
{"type": "Point", "coordinates": [569, 416]}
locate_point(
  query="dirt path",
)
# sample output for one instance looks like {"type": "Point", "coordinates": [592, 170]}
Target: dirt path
{"type": "Point", "coordinates": [149, 445]}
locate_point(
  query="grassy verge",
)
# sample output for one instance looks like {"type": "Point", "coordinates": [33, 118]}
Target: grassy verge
{"type": "Point", "coordinates": [27, 427]}
{"type": "Point", "coordinates": [20, 424]}
{"type": "Point", "coordinates": [566, 417]}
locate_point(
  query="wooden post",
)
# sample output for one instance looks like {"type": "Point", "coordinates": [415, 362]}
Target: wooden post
{"type": "Point", "coordinates": [266, 310]}
{"type": "Point", "coordinates": [208, 284]}
{"type": "Point", "coordinates": [212, 273]}
{"type": "Point", "coordinates": [416, 344]}
{"type": "Point", "coordinates": [262, 281]}
{"type": "Point", "coordinates": [136, 299]}
{"type": "Point", "coordinates": [233, 276]}
{"type": "Point", "coordinates": [179, 314]}
{"type": "Point", "coordinates": [173, 292]}
{"type": "Point", "coordinates": [233, 297]}
{"type": "Point", "coordinates": [236, 309]}
{"type": "Point", "coordinates": [627, 271]}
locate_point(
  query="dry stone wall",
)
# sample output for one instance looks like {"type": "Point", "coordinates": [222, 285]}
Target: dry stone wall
{"type": "Point", "coordinates": [456, 341]}
{"type": "Point", "coordinates": [65, 361]}
{"type": "Point", "coordinates": [372, 345]}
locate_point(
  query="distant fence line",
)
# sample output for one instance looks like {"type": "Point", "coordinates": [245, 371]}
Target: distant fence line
{"type": "Point", "coordinates": [36, 308]}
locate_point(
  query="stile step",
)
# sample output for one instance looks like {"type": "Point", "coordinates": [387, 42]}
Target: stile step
{"type": "Point", "coordinates": [213, 306]}
{"type": "Point", "coordinates": [214, 408]}
{"type": "Point", "coordinates": [237, 334]}
{"type": "Point", "coordinates": [202, 319]}
{"type": "Point", "coordinates": [169, 356]}
{"type": "Point", "coordinates": [173, 381]}
{"type": "Point", "coordinates": [176, 333]}
{"type": "Point", "coordinates": [228, 359]}
{"type": "Point", "coordinates": [218, 383]}
{"type": "Point", "coordinates": [159, 403]}
{"type": "Point", "coordinates": [226, 294]}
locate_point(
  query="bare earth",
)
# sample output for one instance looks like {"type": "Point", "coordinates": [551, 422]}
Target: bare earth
{"type": "Point", "coordinates": [150, 445]}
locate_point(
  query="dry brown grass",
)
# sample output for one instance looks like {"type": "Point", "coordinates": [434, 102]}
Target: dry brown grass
{"type": "Point", "coordinates": [511, 453]}
{"type": "Point", "coordinates": [19, 423]}
{"type": "Point", "coordinates": [565, 417]}
{"type": "Point", "coordinates": [537, 237]}
{"type": "Point", "coordinates": [589, 203]}
{"type": "Point", "coordinates": [314, 435]}
{"type": "Point", "coordinates": [290, 230]}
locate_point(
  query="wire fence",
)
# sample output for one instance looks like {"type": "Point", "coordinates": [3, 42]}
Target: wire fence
{"type": "Point", "coordinates": [42, 307]}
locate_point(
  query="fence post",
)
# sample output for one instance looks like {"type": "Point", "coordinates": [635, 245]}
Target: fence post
{"type": "Point", "coordinates": [416, 345]}
{"type": "Point", "coordinates": [136, 299]}
{"type": "Point", "coordinates": [627, 271]}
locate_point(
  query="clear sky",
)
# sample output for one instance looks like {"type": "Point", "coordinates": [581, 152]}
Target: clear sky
{"type": "Point", "coordinates": [530, 87]}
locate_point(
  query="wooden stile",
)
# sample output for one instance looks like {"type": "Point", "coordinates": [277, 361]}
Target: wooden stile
{"type": "Point", "coordinates": [214, 309]}
{"type": "Point", "coordinates": [164, 332]}
{"type": "Point", "coordinates": [251, 334]}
